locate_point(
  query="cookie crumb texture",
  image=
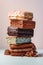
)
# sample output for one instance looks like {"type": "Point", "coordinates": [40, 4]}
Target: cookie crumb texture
{"type": "Point", "coordinates": [28, 53]}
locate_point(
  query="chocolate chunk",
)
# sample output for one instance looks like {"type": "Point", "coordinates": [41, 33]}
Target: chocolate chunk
{"type": "Point", "coordinates": [7, 52]}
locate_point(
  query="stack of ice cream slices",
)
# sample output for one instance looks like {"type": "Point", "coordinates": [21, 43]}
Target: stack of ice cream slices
{"type": "Point", "coordinates": [20, 32]}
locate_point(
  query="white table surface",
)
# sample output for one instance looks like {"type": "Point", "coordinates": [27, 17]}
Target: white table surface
{"type": "Point", "coordinates": [13, 60]}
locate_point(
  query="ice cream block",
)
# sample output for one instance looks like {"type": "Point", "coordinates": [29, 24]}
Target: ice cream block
{"type": "Point", "coordinates": [20, 15]}
{"type": "Point", "coordinates": [18, 40]}
{"type": "Point", "coordinates": [14, 31]}
{"type": "Point", "coordinates": [23, 24]}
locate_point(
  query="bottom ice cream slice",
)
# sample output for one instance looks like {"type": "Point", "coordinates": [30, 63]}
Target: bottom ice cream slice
{"type": "Point", "coordinates": [18, 40]}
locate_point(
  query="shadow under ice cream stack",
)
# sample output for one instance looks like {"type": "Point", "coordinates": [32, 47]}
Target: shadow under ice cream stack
{"type": "Point", "coordinates": [20, 32]}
